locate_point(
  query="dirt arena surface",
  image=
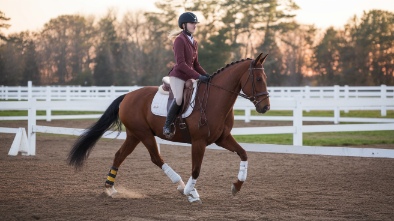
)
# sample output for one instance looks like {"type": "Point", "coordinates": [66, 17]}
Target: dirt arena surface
{"type": "Point", "coordinates": [278, 187]}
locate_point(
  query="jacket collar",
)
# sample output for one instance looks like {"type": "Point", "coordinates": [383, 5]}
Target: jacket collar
{"type": "Point", "coordinates": [186, 38]}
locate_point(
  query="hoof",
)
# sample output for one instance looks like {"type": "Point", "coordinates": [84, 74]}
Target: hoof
{"type": "Point", "coordinates": [110, 191]}
{"type": "Point", "coordinates": [234, 190]}
{"type": "Point", "coordinates": [181, 187]}
{"type": "Point", "coordinates": [194, 200]}
{"type": "Point", "coordinates": [194, 197]}
{"type": "Point", "coordinates": [236, 187]}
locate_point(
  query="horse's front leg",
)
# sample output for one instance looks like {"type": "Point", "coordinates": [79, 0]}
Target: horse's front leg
{"type": "Point", "coordinates": [198, 150]}
{"type": "Point", "coordinates": [228, 142]}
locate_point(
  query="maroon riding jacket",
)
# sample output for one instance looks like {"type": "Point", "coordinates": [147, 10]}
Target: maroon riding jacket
{"type": "Point", "coordinates": [186, 58]}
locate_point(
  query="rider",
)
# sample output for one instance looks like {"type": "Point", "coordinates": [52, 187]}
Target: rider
{"type": "Point", "coordinates": [187, 65]}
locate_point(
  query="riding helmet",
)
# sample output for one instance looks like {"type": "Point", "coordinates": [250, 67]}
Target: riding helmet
{"type": "Point", "coordinates": [187, 17]}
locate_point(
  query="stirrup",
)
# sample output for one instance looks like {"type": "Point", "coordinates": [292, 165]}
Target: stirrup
{"type": "Point", "coordinates": [171, 134]}
{"type": "Point", "coordinates": [182, 125]}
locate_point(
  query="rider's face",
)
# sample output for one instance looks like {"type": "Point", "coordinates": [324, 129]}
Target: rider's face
{"type": "Point", "coordinates": [191, 27]}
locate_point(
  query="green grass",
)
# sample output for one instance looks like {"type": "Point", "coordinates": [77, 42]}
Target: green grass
{"type": "Point", "coordinates": [325, 139]}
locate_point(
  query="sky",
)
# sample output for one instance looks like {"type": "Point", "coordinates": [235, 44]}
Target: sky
{"type": "Point", "coordinates": [33, 14]}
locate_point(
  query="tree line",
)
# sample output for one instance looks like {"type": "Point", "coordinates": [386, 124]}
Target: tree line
{"type": "Point", "coordinates": [135, 50]}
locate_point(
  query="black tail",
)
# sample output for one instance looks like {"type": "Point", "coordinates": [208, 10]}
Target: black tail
{"type": "Point", "coordinates": [85, 143]}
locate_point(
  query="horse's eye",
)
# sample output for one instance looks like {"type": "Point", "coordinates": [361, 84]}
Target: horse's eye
{"type": "Point", "coordinates": [258, 79]}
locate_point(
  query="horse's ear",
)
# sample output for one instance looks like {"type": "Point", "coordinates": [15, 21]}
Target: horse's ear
{"type": "Point", "coordinates": [257, 59]}
{"type": "Point", "coordinates": [263, 59]}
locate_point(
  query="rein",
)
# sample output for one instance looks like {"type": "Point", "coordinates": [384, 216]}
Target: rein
{"type": "Point", "coordinates": [255, 95]}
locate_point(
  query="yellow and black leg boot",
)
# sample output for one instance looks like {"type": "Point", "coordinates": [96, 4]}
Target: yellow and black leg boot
{"type": "Point", "coordinates": [109, 183]}
{"type": "Point", "coordinates": [111, 177]}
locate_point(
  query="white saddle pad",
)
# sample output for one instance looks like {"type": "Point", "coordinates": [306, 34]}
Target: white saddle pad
{"type": "Point", "coordinates": [159, 103]}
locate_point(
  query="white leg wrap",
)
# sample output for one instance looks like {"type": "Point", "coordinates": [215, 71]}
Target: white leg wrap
{"type": "Point", "coordinates": [189, 186]}
{"type": "Point", "coordinates": [243, 171]}
{"type": "Point", "coordinates": [174, 177]}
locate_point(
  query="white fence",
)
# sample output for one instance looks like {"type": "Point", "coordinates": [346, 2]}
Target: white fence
{"type": "Point", "coordinates": [295, 99]}
{"type": "Point", "coordinates": [69, 93]}
{"type": "Point", "coordinates": [297, 105]}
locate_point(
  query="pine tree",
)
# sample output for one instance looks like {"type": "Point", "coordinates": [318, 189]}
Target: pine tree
{"type": "Point", "coordinates": [3, 19]}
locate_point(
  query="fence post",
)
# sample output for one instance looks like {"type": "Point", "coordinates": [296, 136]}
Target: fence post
{"type": "Point", "coordinates": [29, 90]}
{"type": "Point", "coordinates": [346, 97]}
{"type": "Point", "coordinates": [337, 114]}
{"type": "Point", "coordinates": [6, 93]}
{"type": "Point", "coordinates": [48, 99]}
{"type": "Point", "coordinates": [337, 110]}
{"type": "Point", "coordinates": [19, 93]}
{"type": "Point", "coordinates": [307, 95]}
{"type": "Point", "coordinates": [112, 95]}
{"type": "Point", "coordinates": [68, 93]}
{"type": "Point", "coordinates": [383, 96]}
{"type": "Point", "coordinates": [31, 122]}
{"type": "Point", "coordinates": [2, 92]}
{"type": "Point", "coordinates": [297, 122]}
{"type": "Point", "coordinates": [247, 114]}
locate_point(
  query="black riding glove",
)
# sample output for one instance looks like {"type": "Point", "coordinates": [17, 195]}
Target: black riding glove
{"type": "Point", "coordinates": [203, 78]}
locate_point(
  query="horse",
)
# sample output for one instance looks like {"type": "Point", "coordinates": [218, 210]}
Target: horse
{"type": "Point", "coordinates": [215, 100]}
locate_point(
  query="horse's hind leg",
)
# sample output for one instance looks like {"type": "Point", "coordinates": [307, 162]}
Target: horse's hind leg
{"type": "Point", "coordinates": [150, 143]}
{"type": "Point", "coordinates": [126, 149]}
{"type": "Point", "coordinates": [228, 142]}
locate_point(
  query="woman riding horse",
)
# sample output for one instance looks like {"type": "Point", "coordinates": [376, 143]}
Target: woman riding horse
{"type": "Point", "coordinates": [215, 101]}
{"type": "Point", "coordinates": [186, 67]}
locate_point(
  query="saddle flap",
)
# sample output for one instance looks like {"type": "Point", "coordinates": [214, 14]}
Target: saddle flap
{"type": "Point", "coordinates": [160, 100]}
{"type": "Point", "coordinates": [187, 95]}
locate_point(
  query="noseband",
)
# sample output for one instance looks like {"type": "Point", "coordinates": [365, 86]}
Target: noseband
{"type": "Point", "coordinates": [255, 95]}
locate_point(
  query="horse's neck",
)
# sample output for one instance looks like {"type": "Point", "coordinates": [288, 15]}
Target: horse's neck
{"type": "Point", "coordinates": [229, 83]}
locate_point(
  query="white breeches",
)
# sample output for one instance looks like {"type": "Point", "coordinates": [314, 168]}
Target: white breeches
{"type": "Point", "coordinates": [177, 86]}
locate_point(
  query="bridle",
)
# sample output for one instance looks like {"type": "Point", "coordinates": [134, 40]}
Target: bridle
{"type": "Point", "coordinates": [255, 95]}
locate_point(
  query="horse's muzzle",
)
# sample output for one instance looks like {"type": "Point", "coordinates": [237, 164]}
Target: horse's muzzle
{"type": "Point", "coordinates": [263, 110]}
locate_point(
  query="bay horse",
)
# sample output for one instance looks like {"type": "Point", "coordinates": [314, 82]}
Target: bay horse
{"type": "Point", "coordinates": [216, 99]}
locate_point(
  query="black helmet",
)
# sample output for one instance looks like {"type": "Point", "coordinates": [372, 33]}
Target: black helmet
{"type": "Point", "coordinates": [187, 17]}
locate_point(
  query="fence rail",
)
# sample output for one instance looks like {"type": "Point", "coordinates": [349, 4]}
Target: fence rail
{"type": "Point", "coordinates": [335, 105]}
{"type": "Point", "coordinates": [69, 93]}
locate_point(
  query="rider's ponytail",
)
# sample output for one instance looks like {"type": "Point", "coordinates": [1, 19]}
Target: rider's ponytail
{"type": "Point", "coordinates": [174, 33]}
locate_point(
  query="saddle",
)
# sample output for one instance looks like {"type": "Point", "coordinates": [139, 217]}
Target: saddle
{"type": "Point", "coordinates": [163, 98]}
{"type": "Point", "coordinates": [165, 88]}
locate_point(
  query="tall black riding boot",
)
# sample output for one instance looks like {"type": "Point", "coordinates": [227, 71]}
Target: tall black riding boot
{"type": "Point", "coordinates": [171, 115]}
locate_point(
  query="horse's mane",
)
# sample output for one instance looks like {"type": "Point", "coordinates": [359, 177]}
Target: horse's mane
{"type": "Point", "coordinates": [228, 65]}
